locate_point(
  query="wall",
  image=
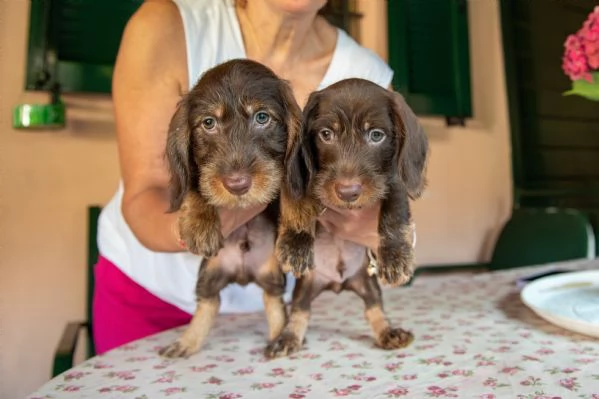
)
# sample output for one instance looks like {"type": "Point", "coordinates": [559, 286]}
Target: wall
{"type": "Point", "coordinates": [48, 179]}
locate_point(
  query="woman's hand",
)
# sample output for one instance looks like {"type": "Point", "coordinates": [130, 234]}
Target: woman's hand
{"type": "Point", "coordinates": [357, 225]}
{"type": "Point", "coordinates": [230, 220]}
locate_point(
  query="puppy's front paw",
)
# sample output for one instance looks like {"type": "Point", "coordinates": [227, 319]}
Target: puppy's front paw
{"type": "Point", "coordinates": [395, 264]}
{"type": "Point", "coordinates": [180, 348]}
{"type": "Point", "coordinates": [295, 252]}
{"type": "Point", "coordinates": [394, 338]}
{"type": "Point", "coordinates": [201, 238]}
{"type": "Point", "coordinates": [285, 344]}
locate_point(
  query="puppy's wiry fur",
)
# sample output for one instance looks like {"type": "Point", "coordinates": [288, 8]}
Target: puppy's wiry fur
{"type": "Point", "coordinates": [225, 148]}
{"type": "Point", "coordinates": [360, 144]}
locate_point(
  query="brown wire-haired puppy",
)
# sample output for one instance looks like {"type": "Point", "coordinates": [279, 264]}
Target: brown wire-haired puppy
{"type": "Point", "coordinates": [360, 144]}
{"type": "Point", "coordinates": [225, 148]}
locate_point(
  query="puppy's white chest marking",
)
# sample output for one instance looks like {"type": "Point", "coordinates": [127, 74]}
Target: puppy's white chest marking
{"type": "Point", "coordinates": [247, 249]}
{"type": "Point", "coordinates": [336, 260]}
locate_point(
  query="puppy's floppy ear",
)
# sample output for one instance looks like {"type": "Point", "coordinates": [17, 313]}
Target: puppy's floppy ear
{"type": "Point", "coordinates": [412, 146]}
{"type": "Point", "coordinates": [300, 164]}
{"type": "Point", "coordinates": [293, 121]}
{"type": "Point", "coordinates": [179, 156]}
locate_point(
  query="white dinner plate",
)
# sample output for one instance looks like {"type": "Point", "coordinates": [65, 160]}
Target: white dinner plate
{"type": "Point", "coordinates": [569, 300]}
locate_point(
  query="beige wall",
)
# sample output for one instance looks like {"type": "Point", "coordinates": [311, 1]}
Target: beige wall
{"type": "Point", "coordinates": [48, 178]}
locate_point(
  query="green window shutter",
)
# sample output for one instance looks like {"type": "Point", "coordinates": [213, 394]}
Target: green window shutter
{"type": "Point", "coordinates": [429, 52]}
{"type": "Point", "coordinates": [75, 43]}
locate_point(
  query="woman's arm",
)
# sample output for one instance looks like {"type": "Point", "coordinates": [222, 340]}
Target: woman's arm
{"type": "Point", "coordinates": [149, 78]}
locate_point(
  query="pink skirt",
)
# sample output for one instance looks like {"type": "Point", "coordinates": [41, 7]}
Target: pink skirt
{"type": "Point", "coordinates": [123, 311]}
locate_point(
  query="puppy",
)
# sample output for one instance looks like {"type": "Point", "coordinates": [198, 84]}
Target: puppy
{"type": "Point", "coordinates": [360, 144]}
{"type": "Point", "coordinates": [225, 148]}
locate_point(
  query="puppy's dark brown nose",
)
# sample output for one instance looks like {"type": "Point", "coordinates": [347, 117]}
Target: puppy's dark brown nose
{"type": "Point", "coordinates": [348, 192]}
{"type": "Point", "coordinates": [237, 183]}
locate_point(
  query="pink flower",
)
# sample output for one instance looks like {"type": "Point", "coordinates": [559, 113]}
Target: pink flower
{"type": "Point", "coordinates": [392, 366]}
{"type": "Point", "coordinates": [408, 377]}
{"type": "Point", "coordinates": [436, 392]}
{"type": "Point", "coordinates": [458, 350]}
{"type": "Point", "coordinates": [531, 381]}
{"type": "Point", "coordinates": [164, 380]}
{"type": "Point", "coordinates": [353, 355]}
{"type": "Point", "coordinates": [125, 388]}
{"type": "Point", "coordinates": [214, 380]}
{"type": "Point", "coordinates": [71, 388]}
{"type": "Point", "coordinates": [545, 351]}
{"type": "Point", "coordinates": [267, 385]}
{"type": "Point", "coordinates": [73, 375]}
{"type": "Point", "coordinates": [310, 356]}
{"type": "Point", "coordinates": [569, 383]}
{"type": "Point", "coordinates": [487, 396]}
{"type": "Point", "coordinates": [173, 390]}
{"type": "Point", "coordinates": [101, 365]}
{"type": "Point", "coordinates": [490, 382]}
{"type": "Point", "coordinates": [296, 396]}
{"type": "Point", "coordinates": [317, 376]}
{"type": "Point", "coordinates": [569, 370]}
{"type": "Point", "coordinates": [245, 371]}
{"type": "Point", "coordinates": [510, 370]}
{"type": "Point", "coordinates": [581, 54]}
{"type": "Point", "coordinates": [199, 369]}
{"type": "Point", "coordinates": [397, 392]}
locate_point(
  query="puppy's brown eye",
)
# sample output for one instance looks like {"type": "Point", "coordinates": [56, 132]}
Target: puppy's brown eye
{"type": "Point", "coordinates": [376, 136]}
{"type": "Point", "coordinates": [326, 135]}
{"type": "Point", "coordinates": [261, 118]}
{"type": "Point", "coordinates": [209, 123]}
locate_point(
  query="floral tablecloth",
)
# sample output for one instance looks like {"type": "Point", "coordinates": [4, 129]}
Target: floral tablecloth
{"type": "Point", "coordinates": [474, 338]}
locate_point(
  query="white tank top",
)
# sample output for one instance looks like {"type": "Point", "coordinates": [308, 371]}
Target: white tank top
{"type": "Point", "coordinates": [213, 36]}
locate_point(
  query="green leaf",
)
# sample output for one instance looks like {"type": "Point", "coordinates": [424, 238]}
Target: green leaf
{"type": "Point", "coordinates": [585, 89]}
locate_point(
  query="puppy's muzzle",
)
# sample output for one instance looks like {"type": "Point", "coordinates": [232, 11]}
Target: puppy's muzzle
{"type": "Point", "coordinates": [237, 183]}
{"type": "Point", "coordinates": [348, 190]}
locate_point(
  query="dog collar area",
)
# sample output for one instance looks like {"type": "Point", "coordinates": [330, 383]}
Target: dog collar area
{"type": "Point", "coordinates": [372, 264]}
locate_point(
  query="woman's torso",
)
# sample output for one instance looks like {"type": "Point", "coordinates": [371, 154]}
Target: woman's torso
{"type": "Point", "coordinates": [213, 36]}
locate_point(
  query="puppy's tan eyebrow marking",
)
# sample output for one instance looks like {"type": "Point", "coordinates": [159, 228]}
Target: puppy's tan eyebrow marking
{"type": "Point", "coordinates": [219, 111]}
{"type": "Point", "coordinates": [250, 108]}
{"type": "Point", "coordinates": [254, 105]}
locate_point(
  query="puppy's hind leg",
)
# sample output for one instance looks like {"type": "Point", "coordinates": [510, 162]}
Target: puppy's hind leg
{"type": "Point", "coordinates": [272, 281]}
{"type": "Point", "coordinates": [211, 280]}
{"type": "Point", "coordinates": [386, 336]}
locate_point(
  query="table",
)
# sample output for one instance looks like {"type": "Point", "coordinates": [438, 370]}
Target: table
{"type": "Point", "coordinates": [474, 338]}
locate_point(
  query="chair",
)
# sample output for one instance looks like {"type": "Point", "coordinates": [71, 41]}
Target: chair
{"type": "Point", "coordinates": [65, 351]}
{"type": "Point", "coordinates": [534, 236]}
